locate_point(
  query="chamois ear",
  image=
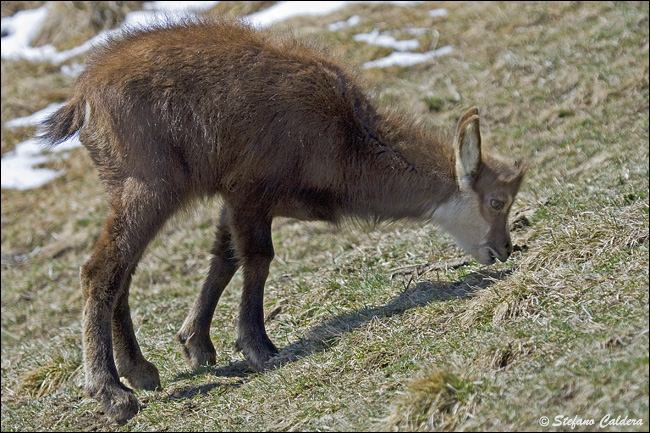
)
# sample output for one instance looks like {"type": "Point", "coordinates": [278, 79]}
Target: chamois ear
{"type": "Point", "coordinates": [522, 167]}
{"type": "Point", "coordinates": [468, 152]}
{"type": "Point", "coordinates": [469, 113]}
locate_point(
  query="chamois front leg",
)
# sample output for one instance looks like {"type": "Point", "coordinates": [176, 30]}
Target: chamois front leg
{"type": "Point", "coordinates": [254, 246]}
{"type": "Point", "coordinates": [194, 335]}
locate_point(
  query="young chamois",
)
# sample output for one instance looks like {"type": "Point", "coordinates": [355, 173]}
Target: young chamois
{"type": "Point", "coordinates": [275, 128]}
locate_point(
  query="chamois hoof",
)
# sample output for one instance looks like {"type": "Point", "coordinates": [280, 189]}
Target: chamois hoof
{"type": "Point", "coordinates": [144, 376]}
{"type": "Point", "coordinates": [258, 353]}
{"type": "Point", "coordinates": [198, 351]}
{"type": "Point", "coordinates": [119, 402]}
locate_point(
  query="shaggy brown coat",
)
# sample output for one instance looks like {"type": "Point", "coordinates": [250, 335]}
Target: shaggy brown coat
{"type": "Point", "coordinates": [275, 128]}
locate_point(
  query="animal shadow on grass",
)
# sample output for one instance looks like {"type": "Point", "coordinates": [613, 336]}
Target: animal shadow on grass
{"type": "Point", "coordinates": [323, 336]}
{"type": "Point", "coordinates": [326, 334]}
{"type": "Point", "coordinates": [237, 369]}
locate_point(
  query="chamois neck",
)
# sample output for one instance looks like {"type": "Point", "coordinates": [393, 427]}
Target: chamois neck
{"type": "Point", "coordinates": [407, 173]}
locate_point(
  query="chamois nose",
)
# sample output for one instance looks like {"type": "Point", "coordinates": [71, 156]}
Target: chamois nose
{"type": "Point", "coordinates": [504, 252]}
{"type": "Point", "coordinates": [508, 247]}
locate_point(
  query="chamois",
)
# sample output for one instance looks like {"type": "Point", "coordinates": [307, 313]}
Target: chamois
{"type": "Point", "coordinates": [275, 128]}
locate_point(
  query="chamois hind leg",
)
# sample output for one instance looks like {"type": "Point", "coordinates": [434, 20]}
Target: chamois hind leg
{"type": "Point", "coordinates": [251, 231]}
{"type": "Point", "coordinates": [130, 363]}
{"type": "Point", "coordinates": [136, 213]}
{"type": "Point", "coordinates": [194, 335]}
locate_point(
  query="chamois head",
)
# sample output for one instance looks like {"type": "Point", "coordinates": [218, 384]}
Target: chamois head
{"type": "Point", "coordinates": [477, 214]}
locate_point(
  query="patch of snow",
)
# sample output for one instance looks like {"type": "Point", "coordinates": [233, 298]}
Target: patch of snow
{"type": "Point", "coordinates": [19, 29]}
{"type": "Point", "coordinates": [36, 118]}
{"type": "Point", "coordinates": [416, 31]}
{"type": "Point", "coordinates": [73, 70]}
{"type": "Point", "coordinates": [441, 12]}
{"type": "Point", "coordinates": [408, 59]}
{"type": "Point", "coordinates": [384, 40]}
{"type": "Point", "coordinates": [18, 167]}
{"type": "Point", "coordinates": [340, 25]}
{"type": "Point", "coordinates": [281, 11]}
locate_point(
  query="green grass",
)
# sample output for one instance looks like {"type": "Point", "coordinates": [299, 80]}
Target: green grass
{"type": "Point", "coordinates": [389, 328]}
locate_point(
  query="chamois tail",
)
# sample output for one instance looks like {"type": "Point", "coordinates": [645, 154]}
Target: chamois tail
{"type": "Point", "coordinates": [64, 123]}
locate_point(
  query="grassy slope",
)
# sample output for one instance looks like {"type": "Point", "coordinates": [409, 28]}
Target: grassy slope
{"type": "Point", "coordinates": [561, 329]}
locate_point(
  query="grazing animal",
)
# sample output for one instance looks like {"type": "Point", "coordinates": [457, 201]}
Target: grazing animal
{"type": "Point", "coordinates": [275, 128]}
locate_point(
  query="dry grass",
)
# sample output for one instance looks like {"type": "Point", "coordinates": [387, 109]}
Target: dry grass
{"type": "Point", "coordinates": [390, 328]}
{"type": "Point", "coordinates": [585, 242]}
{"type": "Point", "coordinates": [435, 400]}
{"type": "Point", "coordinates": [48, 378]}
{"type": "Point", "coordinates": [26, 88]}
{"type": "Point", "coordinates": [237, 9]}
{"type": "Point", "coordinates": [71, 23]}
{"type": "Point", "coordinates": [9, 8]}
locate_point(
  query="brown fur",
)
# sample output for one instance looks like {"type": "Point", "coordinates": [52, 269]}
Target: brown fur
{"type": "Point", "coordinates": [276, 129]}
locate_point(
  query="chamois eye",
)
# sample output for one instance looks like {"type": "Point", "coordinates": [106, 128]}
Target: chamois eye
{"type": "Point", "coordinates": [496, 204]}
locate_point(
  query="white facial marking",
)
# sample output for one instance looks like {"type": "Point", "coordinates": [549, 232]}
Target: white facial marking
{"type": "Point", "coordinates": [461, 217]}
